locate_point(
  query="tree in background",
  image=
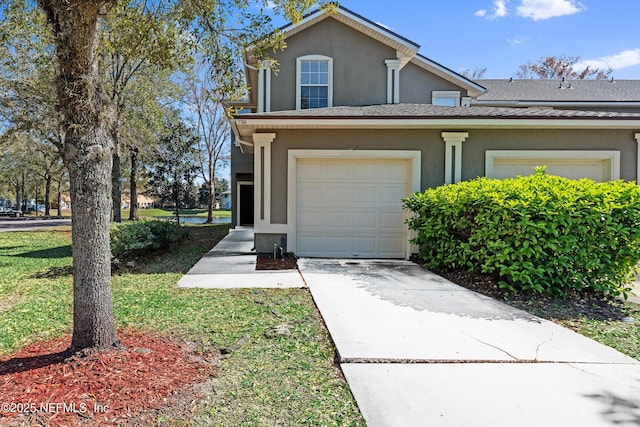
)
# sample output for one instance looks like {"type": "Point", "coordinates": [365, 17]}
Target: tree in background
{"type": "Point", "coordinates": [204, 99]}
{"type": "Point", "coordinates": [86, 118]}
{"type": "Point", "coordinates": [558, 67]}
{"type": "Point", "coordinates": [477, 73]}
{"type": "Point", "coordinates": [175, 164]}
{"type": "Point", "coordinates": [140, 40]}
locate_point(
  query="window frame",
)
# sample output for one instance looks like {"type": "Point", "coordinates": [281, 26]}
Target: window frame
{"type": "Point", "coordinates": [448, 94]}
{"type": "Point", "coordinates": [313, 58]}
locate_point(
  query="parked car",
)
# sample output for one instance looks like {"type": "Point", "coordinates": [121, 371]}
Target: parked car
{"type": "Point", "coordinates": [10, 212]}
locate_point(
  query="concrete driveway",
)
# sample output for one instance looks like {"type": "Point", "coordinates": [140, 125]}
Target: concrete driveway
{"type": "Point", "coordinates": [418, 350]}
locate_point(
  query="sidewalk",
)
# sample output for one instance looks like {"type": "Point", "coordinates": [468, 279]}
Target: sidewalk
{"type": "Point", "coordinates": [418, 350]}
{"type": "Point", "coordinates": [232, 264]}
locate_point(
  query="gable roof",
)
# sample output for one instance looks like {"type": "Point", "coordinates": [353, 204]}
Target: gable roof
{"type": "Point", "coordinates": [407, 50]}
{"type": "Point", "coordinates": [357, 22]}
{"type": "Point", "coordinates": [557, 91]}
{"type": "Point", "coordinates": [473, 88]}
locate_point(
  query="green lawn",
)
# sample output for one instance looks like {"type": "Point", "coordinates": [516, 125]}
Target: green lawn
{"type": "Point", "coordinates": [266, 380]}
{"type": "Point", "coordinates": [156, 212]}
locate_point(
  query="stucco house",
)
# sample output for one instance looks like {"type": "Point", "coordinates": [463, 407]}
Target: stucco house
{"type": "Point", "coordinates": [350, 119]}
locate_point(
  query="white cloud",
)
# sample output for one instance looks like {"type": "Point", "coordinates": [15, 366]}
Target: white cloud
{"type": "Point", "coordinates": [499, 10]}
{"type": "Point", "coordinates": [627, 58]}
{"type": "Point", "coordinates": [518, 40]}
{"type": "Point", "coordinates": [545, 9]}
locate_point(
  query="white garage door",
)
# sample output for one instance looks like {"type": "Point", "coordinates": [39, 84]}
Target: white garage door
{"type": "Point", "coordinates": [351, 207]}
{"type": "Point", "coordinates": [596, 169]}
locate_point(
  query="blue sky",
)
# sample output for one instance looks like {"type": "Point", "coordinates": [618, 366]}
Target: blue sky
{"type": "Point", "coordinates": [502, 34]}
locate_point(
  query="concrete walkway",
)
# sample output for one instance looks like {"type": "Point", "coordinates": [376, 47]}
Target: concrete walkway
{"type": "Point", "coordinates": [232, 264]}
{"type": "Point", "coordinates": [418, 350]}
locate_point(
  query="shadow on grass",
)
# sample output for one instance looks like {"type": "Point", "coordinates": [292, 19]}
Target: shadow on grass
{"type": "Point", "coordinates": [179, 256]}
{"type": "Point", "coordinates": [59, 252]}
{"type": "Point", "coordinates": [53, 272]}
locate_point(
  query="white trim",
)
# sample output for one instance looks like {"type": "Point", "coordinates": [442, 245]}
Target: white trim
{"type": "Point", "coordinates": [238, 185]}
{"type": "Point", "coordinates": [612, 155]}
{"type": "Point", "coordinates": [415, 181]}
{"type": "Point", "coordinates": [262, 179]}
{"type": "Point", "coordinates": [472, 87]}
{"type": "Point", "coordinates": [638, 160]}
{"type": "Point", "coordinates": [393, 81]}
{"type": "Point", "coordinates": [438, 94]}
{"type": "Point", "coordinates": [453, 155]}
{"type": "Point", "coordinates": [429, 123]}
{"type": "Point", "coordinates": [299, 60]}
{"type": "Point", "coordinates": [264, 86]}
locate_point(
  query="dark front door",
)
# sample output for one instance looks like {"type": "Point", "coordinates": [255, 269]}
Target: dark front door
{"type": "Point", "coordinates": [246, 205]}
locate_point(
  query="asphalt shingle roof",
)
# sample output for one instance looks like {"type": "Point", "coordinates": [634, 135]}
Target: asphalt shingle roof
{"type": "Point", "coordinates": [555, 90]}
{"type": "Point", "coordinates": [427, 111]}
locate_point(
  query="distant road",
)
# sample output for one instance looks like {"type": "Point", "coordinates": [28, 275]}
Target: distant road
{"type": "Point", "coordinates": [22, 224]}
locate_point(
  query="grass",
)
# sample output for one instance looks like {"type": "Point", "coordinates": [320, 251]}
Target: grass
{"type": "Point", "coordinates": [157, 212]}
{"type": "Point", "coordinates": [265, 379]}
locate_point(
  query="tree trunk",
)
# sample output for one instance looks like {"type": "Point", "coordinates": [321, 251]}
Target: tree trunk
{"type": "Point", "coordinates": [116, 188]}
{"type": "Point", "coordinates": [59, 199]}
{"type": "Point", "coordinates": [88, 151]}
{"type": "Point", "coordinates": [133, 185]}
{"type": "Point", "coordinates": [210, 204]}
{"type": "Point", "coordinates": [47, 195]}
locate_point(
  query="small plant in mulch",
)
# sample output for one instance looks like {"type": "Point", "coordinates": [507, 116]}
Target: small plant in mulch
{"type": "Point", "coordinates": [269, 262]}
{"type": "Point", "coordinates": [149, 377]}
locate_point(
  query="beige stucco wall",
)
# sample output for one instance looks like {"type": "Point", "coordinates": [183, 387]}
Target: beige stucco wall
{"type": "Point", "coordinates": [432, 147]}
{"type": "Point", "coordinates": [417, 84]}
{"type": "Point", "coordinates": [359, 71]}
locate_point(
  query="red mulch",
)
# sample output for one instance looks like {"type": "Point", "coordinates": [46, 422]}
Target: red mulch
{"type": "Point", "coordinates": [267, 262]}
{"type": "Point", "coordinates": [44, 386]}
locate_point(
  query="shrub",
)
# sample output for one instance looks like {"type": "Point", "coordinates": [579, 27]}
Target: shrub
{"type": "Point", "coordinates": [138, 237]}
{"type": "Point", "coordinates": [542, 233]}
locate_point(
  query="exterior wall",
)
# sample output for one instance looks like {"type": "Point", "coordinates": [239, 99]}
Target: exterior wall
{"type": "Point", "coordinates": [473, 149]}
{"type": "Point", "coordinates": [416, 85]}
{"type": "Point", "coordinates": [359, 71]}
{"type": "Point", "coordinates": [429, 142]}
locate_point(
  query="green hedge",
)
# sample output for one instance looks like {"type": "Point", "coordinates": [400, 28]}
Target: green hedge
{"type": "Point", "coordinates": [129, 238]}
{"type": "Point", "coordinates": [542, 233]}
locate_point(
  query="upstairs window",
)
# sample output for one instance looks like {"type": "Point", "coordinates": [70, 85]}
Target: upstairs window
{"type": "Point", "coordinates": [448, 98]}
{"type": "Point", "coordinates": [314, 82]}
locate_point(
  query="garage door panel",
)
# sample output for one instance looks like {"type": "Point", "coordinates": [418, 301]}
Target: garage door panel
{"type": "Point", "coordinates": [336, 171]}
{"type": "Point", "coordinates": [392, 221]}
{"type": "Point", "coordinates": [365, 220]}
{"type": "Point", "coordinates": [360, 201]}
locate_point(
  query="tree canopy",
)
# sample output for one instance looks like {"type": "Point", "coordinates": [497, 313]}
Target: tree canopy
{"type": "Point", "coordinates": [86, 115]}
{"type": "Point", "coordinates": [558, 67]}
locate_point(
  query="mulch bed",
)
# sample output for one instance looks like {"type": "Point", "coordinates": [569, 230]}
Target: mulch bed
{"type": "Point", "coordinates": [571, 306]}
{"type": "Point", "coordinates": [267, 262]}
{"type": "Point", "coordinates": [42, 385]}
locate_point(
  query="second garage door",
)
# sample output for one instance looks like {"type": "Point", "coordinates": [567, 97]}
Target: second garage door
{"type": "Point", "coordinates": [351, 207]}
